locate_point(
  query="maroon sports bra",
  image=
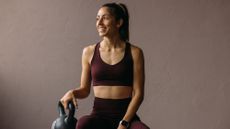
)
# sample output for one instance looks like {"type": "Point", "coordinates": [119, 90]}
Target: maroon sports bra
{"type": "Point", "coordinates": [119, 74]}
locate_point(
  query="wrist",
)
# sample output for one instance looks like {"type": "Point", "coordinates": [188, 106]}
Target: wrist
{"type": "Point", "coordinates": [124, 123]}
{"type": "Point", "coordinates": [72, 93]}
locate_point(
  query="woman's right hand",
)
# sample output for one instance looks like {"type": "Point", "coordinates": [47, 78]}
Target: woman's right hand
{"type": "Point", "coordinates": [69, 96]}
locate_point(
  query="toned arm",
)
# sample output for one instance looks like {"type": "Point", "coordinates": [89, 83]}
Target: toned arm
{"type": "Point", "coordinates": [84, 89]}
{"type": "Point", "coordinates": [138, 83]}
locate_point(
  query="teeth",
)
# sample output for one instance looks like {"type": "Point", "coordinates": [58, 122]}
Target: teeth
{"type": "Point", "coordinates": [101, 29]}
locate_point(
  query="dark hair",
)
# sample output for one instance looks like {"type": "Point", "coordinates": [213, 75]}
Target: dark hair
{"type": "Point", "coordinates": [120, 11]}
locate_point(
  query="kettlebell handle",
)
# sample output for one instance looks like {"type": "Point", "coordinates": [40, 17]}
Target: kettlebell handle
{"type": "Point", "coordinates": [61, 109]}
{"type": "Point", "coordinates": [71, 108]}
{"type": "Point", "coordinates": [70, 116]}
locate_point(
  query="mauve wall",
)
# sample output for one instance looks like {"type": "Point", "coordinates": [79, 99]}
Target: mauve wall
{"type": "Point", "coordinates": [187, 52]}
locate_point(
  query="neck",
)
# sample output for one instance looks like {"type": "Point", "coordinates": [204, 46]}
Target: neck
{"type": "Point", "coordinates": [112, 42]}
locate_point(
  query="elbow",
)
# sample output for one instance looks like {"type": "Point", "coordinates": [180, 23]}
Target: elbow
{"type": "Point", "coordinates": [139, 96]}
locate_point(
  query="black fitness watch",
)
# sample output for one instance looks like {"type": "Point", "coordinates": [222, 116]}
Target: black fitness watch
{"type": "Point", "coordinates": [124, 123]}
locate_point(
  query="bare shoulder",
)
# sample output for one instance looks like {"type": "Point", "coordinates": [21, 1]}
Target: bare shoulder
{"type": "Point", "coordinates": [136, 52]}
{"type": "Point", "coordinates": [88, 52]}
{"type": "Point", "coordinates": [89, 49]}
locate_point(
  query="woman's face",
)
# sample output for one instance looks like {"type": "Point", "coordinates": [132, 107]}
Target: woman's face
{"type": "Point", "coordinates": [106, 23]}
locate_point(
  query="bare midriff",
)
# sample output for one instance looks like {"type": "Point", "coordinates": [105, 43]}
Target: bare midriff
{"type": "Point", "coordinates": [112, 92]}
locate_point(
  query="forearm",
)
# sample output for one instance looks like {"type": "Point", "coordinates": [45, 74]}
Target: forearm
{"type": "Point", "coordinates": [133, 106]}
{"type": "Point", "coordinates": [80, 93]}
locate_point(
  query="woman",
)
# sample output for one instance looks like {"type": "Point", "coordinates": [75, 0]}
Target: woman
{"type": "Point", "coordinates": [116, 69]}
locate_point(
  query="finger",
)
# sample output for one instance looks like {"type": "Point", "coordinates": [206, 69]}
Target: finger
{"type": "Point", "coordinates": [74, 100]}
{"type": "Point", "coordinates": [64, 103]}
{"type": "Point", "coordinates": [62, 100]}
{"type": "Point", "coordinates": [75, 103]}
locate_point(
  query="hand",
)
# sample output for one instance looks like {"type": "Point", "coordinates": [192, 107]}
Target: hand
{"type": "Point", "coordinates": [121, 127]}
{"type": "Point", "coordinates": [69, 96]}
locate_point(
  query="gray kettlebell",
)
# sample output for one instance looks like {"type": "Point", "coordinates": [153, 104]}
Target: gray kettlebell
{"type": "Point", "coordinates": [65, 121]}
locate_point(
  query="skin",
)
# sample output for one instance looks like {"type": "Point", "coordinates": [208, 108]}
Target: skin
{"type": "Point", "coordinates": [112, 51]}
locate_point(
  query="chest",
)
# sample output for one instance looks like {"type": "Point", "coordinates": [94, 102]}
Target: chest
{"type": "Point", "coordinates": [112, 56]}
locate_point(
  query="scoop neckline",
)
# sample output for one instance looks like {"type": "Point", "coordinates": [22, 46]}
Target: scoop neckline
{"type": "Point", "coordinates": [120, 61]}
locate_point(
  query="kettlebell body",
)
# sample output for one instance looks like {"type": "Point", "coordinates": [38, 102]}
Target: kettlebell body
{"type": "Point", "coordinates": [65, 121]}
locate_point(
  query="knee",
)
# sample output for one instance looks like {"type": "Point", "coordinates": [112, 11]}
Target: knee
{"type": "Point", "coordinates": [138, 125]}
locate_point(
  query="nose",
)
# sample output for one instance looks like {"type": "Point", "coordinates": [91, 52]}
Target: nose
{"type": "Point", "coordinates": [99, 21]}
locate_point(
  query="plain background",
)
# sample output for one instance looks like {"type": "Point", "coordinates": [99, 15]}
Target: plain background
{"type": "Point", "coordinates": [187, 54]}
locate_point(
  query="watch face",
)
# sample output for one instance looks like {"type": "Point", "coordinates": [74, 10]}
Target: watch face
{"type": "Point", "coordinates": [124, 123]}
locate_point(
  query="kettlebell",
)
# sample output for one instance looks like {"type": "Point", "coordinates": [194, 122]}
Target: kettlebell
{"type": "Point", "coordinates": [65, 121]}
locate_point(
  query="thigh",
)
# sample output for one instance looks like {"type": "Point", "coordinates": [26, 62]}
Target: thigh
{"type": "Point", "coordinates": [138, 125]}
{"type": "Point", "coordinates": [91, 122]}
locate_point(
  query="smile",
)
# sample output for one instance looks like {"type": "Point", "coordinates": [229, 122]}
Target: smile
{"type": "Point", "coordinates": [101, 29]}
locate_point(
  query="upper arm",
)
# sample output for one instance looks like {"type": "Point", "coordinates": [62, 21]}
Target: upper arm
{"type": "Point", "coordinates": [86, 75]}
{"type": "Point", "coordinates": [139, 71]}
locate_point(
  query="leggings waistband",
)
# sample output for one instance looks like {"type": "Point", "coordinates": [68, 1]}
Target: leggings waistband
{"type": "Point", "coordinates": [110, 107]}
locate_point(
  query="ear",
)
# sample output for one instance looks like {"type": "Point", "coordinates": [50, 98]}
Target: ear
{"type": "Point", "coordinates": [120, 23]}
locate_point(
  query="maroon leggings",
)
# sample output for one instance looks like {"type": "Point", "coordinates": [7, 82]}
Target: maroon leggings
{"type": "Point", "coordinates": [107, 113]}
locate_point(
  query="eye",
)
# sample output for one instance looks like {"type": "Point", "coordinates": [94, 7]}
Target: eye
{"type": "Point", "coordinates": [97, 18]}
{"type": "Point", "coordinates": [106, 17]}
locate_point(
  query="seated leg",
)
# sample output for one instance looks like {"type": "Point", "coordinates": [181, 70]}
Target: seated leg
{"type": "Point", "coordinates": [91, 122]}
{"type": "Point", "coordinates": [138, 125]}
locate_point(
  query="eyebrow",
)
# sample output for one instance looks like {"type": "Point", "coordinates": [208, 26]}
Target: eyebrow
{"type": "Point", "coordinates": [104, 15]}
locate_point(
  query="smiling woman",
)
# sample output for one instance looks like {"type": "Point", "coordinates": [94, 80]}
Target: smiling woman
{"type": "Point", "coordinates": [116, 69]}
